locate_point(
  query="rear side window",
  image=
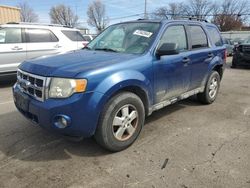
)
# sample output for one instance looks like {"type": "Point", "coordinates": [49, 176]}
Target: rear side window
{"type": "Point", "coordinates": [73, 35]}
{"type": "Point", "coordinates": [198, 37]}
{"type": "Point", "coordinates": [40, 35]}
{"type": "Point", "coordinates": [215, 36]}
{"type": "Point", "coordinates": [10, 35]}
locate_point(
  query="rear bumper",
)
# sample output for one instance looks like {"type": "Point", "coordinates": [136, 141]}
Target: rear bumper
{"type": "Point", "coordinates": [82, 109]}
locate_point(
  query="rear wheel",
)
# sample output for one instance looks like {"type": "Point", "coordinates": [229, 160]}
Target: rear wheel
{"type": "Point", "coordinates": [211, 90]}
{"type": "Point", "coordinates": [121, 122]}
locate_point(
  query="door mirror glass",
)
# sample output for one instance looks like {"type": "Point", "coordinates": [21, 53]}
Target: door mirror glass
{"type": "Point", "coordinates": [167, 49]}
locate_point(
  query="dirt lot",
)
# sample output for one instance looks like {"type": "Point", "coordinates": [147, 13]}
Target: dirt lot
{"type": "Point", "coordinates": [185, 145]}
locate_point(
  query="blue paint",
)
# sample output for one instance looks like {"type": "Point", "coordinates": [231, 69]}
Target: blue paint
{"type": "Point", "coordinates": [109, 72]}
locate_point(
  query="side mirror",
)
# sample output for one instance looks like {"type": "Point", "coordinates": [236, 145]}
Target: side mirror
{"type": "Point", "coordinates": [167, 49]}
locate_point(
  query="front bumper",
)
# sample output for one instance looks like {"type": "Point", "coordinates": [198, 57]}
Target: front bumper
{"type": "Point", "coordinates": [242, 58]}
{"type": "Point", "coordinates": [83, 110]}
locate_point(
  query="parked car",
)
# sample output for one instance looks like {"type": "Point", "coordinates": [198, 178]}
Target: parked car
{"type": "Point", "coordinates": [229, 46]}
{"type": "Point", "coordinates": [107, 89]}
{"type": "Point", "coordinates": [87, 39]}
{"type": "Point", "coordinates": [21, 41]}
{"type": "Point", "coordinates": [237, 41]}
{"type": "Point", "coordinates": [241, 54]}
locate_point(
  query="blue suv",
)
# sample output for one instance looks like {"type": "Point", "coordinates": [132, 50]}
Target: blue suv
{"type": "Point", "coordinates": [127, 72]}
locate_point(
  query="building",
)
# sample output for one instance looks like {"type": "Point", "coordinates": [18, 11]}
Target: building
{"type": "Point", "coordinates": [236, 35]}
{"type": "Point", "coordinates": [9, 14]}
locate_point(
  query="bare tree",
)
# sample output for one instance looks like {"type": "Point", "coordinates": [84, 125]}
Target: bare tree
{"type": "Point", "coordinates": [64, 15]}
{"type": "Point", "coordinates": [27, 13]}
{"type": "Point", "coordinates": [96, 15]}
{"type": "Point", "coordinates": [232, 14]}
{"type": "Point", "coordinates": [171, 11]}
{"type": "Point", "coordinates": [198, 8]}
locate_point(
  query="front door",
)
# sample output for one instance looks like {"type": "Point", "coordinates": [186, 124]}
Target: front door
{"type": "Point", "coordinates": [172, 73]}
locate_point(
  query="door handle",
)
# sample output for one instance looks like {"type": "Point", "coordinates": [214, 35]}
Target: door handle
{"type": "Point", "coordinates": [185, 60]}
{"type": "Point", "coordinates": [16, 48]}
{"type": "Point", "coordinates": [57, 46]}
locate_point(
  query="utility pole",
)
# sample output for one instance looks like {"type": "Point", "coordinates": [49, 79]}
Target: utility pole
{"type": "Point", "coordinates": [145, 10]}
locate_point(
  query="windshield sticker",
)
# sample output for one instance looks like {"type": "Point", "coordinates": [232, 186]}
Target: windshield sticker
{"type": "Point", "coordinates": [143, 33]}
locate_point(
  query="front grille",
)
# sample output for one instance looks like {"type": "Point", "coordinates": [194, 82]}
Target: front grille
{"type": "Point", "coordinates": [31, 84]}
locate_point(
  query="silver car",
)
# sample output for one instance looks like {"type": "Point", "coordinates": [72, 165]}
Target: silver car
{"type": "Point", "coordinates": [22, 41]}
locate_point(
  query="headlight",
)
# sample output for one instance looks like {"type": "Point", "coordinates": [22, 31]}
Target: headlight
{"type": "Point", "coordinates": [63, 87]}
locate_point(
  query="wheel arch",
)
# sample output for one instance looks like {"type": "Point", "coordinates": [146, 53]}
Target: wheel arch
{"type": "Point", "coordinates": [219, 69]}
{"type": "Point", "coordinates": [130, 81]}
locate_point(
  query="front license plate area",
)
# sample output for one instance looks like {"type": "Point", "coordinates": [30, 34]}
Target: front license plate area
{"type": "Point", "coordinates": [22, 101]}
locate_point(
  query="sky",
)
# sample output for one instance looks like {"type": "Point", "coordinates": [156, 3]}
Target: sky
{"type": "Point", "coordinates": [115, 9]}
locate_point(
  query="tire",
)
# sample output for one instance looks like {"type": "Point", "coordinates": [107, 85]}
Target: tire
{"type": "Point", "coordinates": [234, 65]}
{"type": "Point", "coordinates": [120, 122]}
{"type": "Point", "coordinates": [213, 84]}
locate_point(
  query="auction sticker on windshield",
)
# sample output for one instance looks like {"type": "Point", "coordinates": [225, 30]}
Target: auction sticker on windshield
{"type": "Point", "coordinates": [143, 33]}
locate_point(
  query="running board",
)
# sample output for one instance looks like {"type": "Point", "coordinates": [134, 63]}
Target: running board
{"type": "Point", "coordinates": [175, 99]}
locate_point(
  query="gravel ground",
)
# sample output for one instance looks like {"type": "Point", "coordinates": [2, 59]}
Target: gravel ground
{"type": "Point", "coordinates": [184, 145]}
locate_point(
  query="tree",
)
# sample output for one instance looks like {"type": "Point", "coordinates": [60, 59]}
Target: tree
{"type": "Point", "coordinates": [232, 14]}
{"type": "Point", "coordinates": [27, 13]}
{"type": "Point", "coordinates": [172, 10]}
{"type": "Point", "coordinates": [96, 15]}
{"type": "Point", "coordinates": [198, 8]}
{"type": "Point", "coordinates": [64, 15]}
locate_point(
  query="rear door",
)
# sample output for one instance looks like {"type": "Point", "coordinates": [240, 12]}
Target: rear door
{"type": "Point", "coordinates": [201, 55]}
{"type": "Point", "coordinates": [12, 49]}
{"type": "Point", "coordinates": [41, 42]}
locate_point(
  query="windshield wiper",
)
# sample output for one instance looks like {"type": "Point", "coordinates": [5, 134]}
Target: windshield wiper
{"type": "Point", "coordinates": [106, 49]}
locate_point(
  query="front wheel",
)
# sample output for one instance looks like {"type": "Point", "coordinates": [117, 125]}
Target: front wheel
{"type": "Point", "coordinates": [211, 90]}
{"type": "Point", "coordinates": [121, 122]}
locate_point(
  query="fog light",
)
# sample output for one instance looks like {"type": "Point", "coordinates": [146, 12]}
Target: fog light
{"type": "Point", "coordinates": [62, 121]}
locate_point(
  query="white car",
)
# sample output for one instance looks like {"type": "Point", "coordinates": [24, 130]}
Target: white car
{"type": "Point", "coordinates": [21, 41]}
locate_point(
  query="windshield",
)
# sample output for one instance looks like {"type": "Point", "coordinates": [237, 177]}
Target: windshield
{"type": "Point", "coordinates": [126, 38]}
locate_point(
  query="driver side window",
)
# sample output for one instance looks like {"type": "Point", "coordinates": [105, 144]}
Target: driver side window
{"type": "Point", "coordinates": [114, 40]}
{"type": "Point", "coordinates": [175, 34]}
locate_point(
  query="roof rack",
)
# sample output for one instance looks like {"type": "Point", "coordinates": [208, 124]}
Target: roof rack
{"type": "Point", "coordinates": [41, 24]}
{"type": "Point", "coordinates": [192, 18]}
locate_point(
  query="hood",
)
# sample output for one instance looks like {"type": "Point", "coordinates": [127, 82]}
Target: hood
{"type": "Point", "coordinates": [70, 64]}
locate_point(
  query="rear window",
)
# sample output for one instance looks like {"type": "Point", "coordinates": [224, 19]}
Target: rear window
{"type": "Point", "coordinates": [73, 35]}
{"type": "Point", "coordinates": [215, 36]}
{"type": "Point", "coordinates": [40, 35]}
{"type": "Point", "coordinates": [87, 38]}
{"type": "Point", "coordinates": [198, 37]}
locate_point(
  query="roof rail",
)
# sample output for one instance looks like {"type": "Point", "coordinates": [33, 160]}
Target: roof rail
{"type": "Point", "coordinates": [192, 18]}
{"type": "Point", "coordinates": [41, 24]}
